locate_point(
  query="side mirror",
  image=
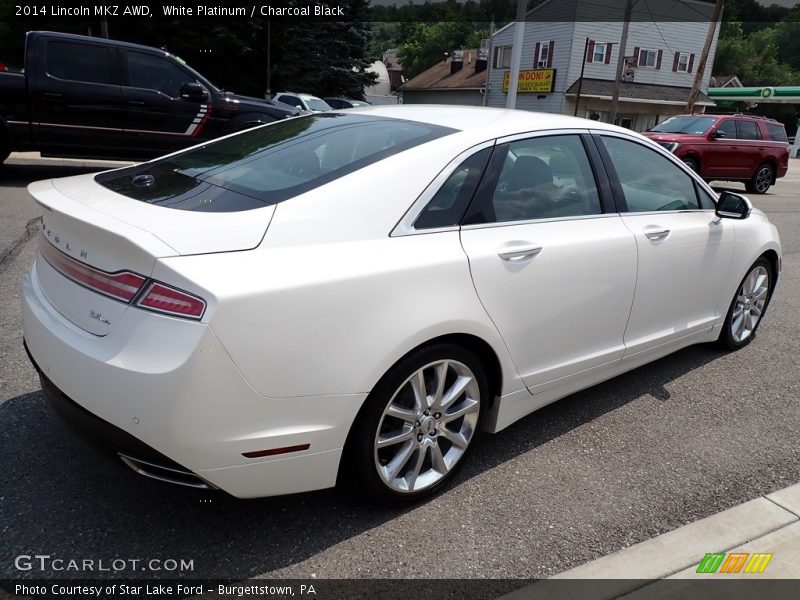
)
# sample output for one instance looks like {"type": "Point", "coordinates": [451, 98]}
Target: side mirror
{"type": "Point", "coordinates": [718, 135]}
{"type": "Point", "coordinates": [193, 92]}
{"type": "Point", "coordinates": [733, 206]}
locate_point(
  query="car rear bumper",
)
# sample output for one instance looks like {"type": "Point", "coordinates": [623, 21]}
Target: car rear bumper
{"type": "Point", "coordinates": [164, 391]}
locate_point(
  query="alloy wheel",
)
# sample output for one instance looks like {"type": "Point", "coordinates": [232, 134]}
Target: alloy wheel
{"type": "Point", "coordinates": [750, 303]}
{"type": "Point", "coordinates": [427, 426]}
{"type": "Point", "coordinates": [763, 179]}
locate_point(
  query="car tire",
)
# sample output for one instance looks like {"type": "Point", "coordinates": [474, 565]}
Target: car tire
{"type": "Point", "coordinates": [762, 180]}
{"type": "Point", "coordinates": [692, 163]}
{"type": "Point", "coordinates": [748, 306]}
{"type": "Point", "coordinates": [400, 450]}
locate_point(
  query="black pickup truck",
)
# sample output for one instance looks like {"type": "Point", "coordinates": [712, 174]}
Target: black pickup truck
{"type": "Point", "coordinates": [95, 98]}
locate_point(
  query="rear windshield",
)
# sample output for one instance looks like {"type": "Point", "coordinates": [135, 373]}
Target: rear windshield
{"type": "Point", "coordinates": [269, 164]}
{"type": "Point", "coordinates": [687, 124]}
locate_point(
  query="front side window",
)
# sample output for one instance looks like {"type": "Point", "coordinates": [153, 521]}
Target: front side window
{"type": "Point", "coordinates": [80, 62]}
{"type": "Point", "coordinates": [728, 129]}
{"type": "Point", "coordinates": [648, 58]}
{"type": "Point", "coordinates": [650, 182]}
{"type": "Point", "coordinates": [538, 178]}
{"type": "Point", "coordinates": [156, 73]}
{"type": "Point", "coordinates": [290, 100]}
{"type": "Point", "coordinates": [270, 164]}
{"type": "Point", "coordinates": [449, 203]}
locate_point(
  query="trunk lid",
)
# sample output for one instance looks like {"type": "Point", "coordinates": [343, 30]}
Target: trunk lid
{"type": "Point", "coordinates": [88, 223]}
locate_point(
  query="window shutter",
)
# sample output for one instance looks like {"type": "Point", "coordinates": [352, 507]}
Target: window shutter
{"type": "Point", "coordinates": [536, 55]}
{"type": "Point", "coordinates": [636, 55]}
{"type": "Point", "coordinates": [590, 52]}
{"type": "Point", "coordinates": [675, 62]}
{"type": "Point", "coordinates": [608, 53]}
{"type": "Point", "coordinates": [658, 60]}
{"type": "Point", "coordinates": [550, 54]}
{"type": "Point", "coordinates": [496, 57]}
{"type": "Point", "coordinates": [691, 62]}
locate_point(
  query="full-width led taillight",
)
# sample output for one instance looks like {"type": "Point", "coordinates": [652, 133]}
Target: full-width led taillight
{"type": "Point", "coordinates": [122, 285]}
{"type": "Point", "coordinates": [165, 299]}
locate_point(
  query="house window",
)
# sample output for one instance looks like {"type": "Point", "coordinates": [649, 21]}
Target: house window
{"type": "Point", "coordinates": [648, 58]}
{"type": "Point", "coordinates": [599, 54]}
{"type": "Point", "coordinates": [683, 62]}
{"type": "Point", "coordinates": [544, 54]}
{"type": "Point", "coordinates": [502, 58]}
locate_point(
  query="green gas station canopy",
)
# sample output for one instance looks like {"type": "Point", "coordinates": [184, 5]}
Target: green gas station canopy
{"type": "Point", "coordinates": [787, 95]}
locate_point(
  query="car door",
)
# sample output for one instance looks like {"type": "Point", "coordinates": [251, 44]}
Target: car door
{"type": "Point", "coordinates": [723, 152]}
{"type": "Point", "coordinates": [157, 119]}
{"type": "Point", "coordinates": [684, 250]}
{"type": "Point", "coordinates": [77, 99]}
{"type": "Point", "coordinates": [551, 260]}
{"type": "Point", "coordinates": [751, 148]}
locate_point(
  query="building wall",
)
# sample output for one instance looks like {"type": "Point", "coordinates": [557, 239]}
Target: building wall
{"type": "Point", "coordinates": [569, 22]}
{"type": "Point", "coordinates": [455, 97]}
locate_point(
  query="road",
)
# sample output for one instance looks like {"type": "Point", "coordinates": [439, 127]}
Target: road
{"type": "Point", "coordinates": [669, 443]}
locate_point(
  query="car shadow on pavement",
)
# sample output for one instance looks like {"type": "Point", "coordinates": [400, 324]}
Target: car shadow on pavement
{"type": "Point", "coordinates": [63, 497]}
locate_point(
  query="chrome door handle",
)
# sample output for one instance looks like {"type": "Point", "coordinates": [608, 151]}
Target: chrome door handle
{"type": "Point", "coordinates": [656, 234]}
{"type": "Point", "coordinates": [516, 252]}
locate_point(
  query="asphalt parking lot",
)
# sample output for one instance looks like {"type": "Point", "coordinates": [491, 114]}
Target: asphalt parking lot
{"type": "Point", "coordinates": [680, 439]}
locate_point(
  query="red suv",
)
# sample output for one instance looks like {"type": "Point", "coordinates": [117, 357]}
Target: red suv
{"type": "Point", "coordinates": [745, 148]}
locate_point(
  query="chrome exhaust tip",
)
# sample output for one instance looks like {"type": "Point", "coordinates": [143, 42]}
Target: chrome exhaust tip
{"type": "Point", "coordinates": [166, 474]}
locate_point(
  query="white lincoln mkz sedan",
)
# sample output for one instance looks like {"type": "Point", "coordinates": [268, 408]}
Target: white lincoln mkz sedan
{"type": "Point", "coordinates": [353, 296]}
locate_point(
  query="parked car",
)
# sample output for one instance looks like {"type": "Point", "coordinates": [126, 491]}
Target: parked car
{"type": "Point", "coordinates": [305, 102]}
{"type": "Point", "coordinates": [346, 103]}
{"type": "Point", "coordinates": [96, 98]}
{"type": "Point", "coordinates": [354, 296]}
{"type": "Point", "coordinates": [744, 148]}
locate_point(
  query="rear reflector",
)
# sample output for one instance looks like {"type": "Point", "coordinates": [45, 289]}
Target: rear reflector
{"type": "Point", "coordinates": [171, 301]}
{"type": "Point", "coordinates": [274, 451]}
{"type": "Point", "coordinates": [122, 285]}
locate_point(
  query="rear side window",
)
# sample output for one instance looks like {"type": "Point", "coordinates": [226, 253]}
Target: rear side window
{"type": "Point", "coordinates": [270, 164]}
{"type": "Point", "coordinates": [777, 132]}
{"type": "Point", "coordinates": [80, 62]}
{"type": "Point", "coordinates": [748, 130]}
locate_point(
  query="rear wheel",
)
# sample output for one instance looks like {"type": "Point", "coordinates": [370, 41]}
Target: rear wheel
{"type": "Point", "coordinates": [748, 306]}
{"type": "Point", "coordinates": [762, 180]}
{"type": "Point", "coordinates": [418, 425]}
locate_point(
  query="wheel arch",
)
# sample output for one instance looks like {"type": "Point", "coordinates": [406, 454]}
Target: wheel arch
{"type": "Point", "coordinates": [480, 347]}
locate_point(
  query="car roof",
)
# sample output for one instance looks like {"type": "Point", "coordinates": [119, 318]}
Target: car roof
{"type": "Point", "coordinates": [499, 121]}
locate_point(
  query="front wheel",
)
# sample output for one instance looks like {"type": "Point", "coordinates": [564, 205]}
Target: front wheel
{"type": "Point", "coordinates": [747, 307]}
{"type": "Point", "coordinates": [692, 164]}
{"type": "Point", "coordinates": [418, 425]}
{"type": "Point", "coordinates": [761, 181]}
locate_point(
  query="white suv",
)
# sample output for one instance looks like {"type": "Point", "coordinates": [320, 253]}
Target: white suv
{"type": "Point", "coordinates": [305, 102]}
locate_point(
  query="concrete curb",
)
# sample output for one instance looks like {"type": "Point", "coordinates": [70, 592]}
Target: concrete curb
{"type": "Point", "coordinates": [766, 524]}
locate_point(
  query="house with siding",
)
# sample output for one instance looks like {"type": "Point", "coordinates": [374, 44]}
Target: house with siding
{"type": "Point", "coordinates": [576, 45]}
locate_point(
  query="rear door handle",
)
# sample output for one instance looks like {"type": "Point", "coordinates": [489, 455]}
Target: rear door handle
{"type": "Point", "coordinates": [656, 234]}
{"type": "Point", "coordinates": [136, 102]}
{"type": "Point", "coordinates": [517, 251]}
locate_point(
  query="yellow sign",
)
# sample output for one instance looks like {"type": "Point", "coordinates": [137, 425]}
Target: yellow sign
{"type": "Point", "coordinates": [537, 81]}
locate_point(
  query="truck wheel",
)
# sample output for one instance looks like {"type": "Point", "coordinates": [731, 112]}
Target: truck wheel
{"type": "Point", "coordinates": [692, 164]}
{"type": "Point", "coordinates": [761, 181]}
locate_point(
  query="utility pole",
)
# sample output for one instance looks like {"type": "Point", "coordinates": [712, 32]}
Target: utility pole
{"type": "Point", "coordinates": [516, 54]}
{"type": "Point", "coordinates": [623, 44]}
{"type": "Point", "coordinates": [701, 67]}
{"type": "Point", "coordinates": [103, 27]}
{"type": "Point", "coordinates": [580, 81]}
{"type": "Point", "coordinates": [489, 65]}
